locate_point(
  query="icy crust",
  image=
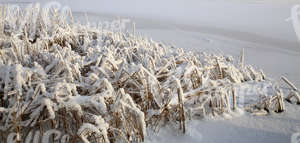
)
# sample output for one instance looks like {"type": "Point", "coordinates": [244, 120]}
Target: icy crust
{"type": "Point", "coordinates": [101, 86]}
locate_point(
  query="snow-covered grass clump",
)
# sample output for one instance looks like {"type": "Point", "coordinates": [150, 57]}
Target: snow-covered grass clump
{"type": "Point", "coordinates": [96, 85]}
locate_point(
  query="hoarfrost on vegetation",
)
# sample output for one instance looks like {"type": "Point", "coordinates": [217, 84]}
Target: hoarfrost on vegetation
{"type": "Point", "coordinates": [97, 85]}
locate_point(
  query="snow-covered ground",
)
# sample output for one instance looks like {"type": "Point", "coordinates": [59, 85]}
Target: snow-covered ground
{"type": "Point", "coordinates": [275, 128]}
{"type": "Point", "coordinates": [224, 26]}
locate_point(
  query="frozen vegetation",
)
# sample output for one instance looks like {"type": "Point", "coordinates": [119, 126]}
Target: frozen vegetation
{"type": "Point", "coordinates": [107, 85]}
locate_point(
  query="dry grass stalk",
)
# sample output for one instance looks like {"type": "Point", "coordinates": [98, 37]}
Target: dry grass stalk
{"type": "Point", "coordinates": [289, 83]}
{"type": "Point", "coordinates": [293, 93]}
